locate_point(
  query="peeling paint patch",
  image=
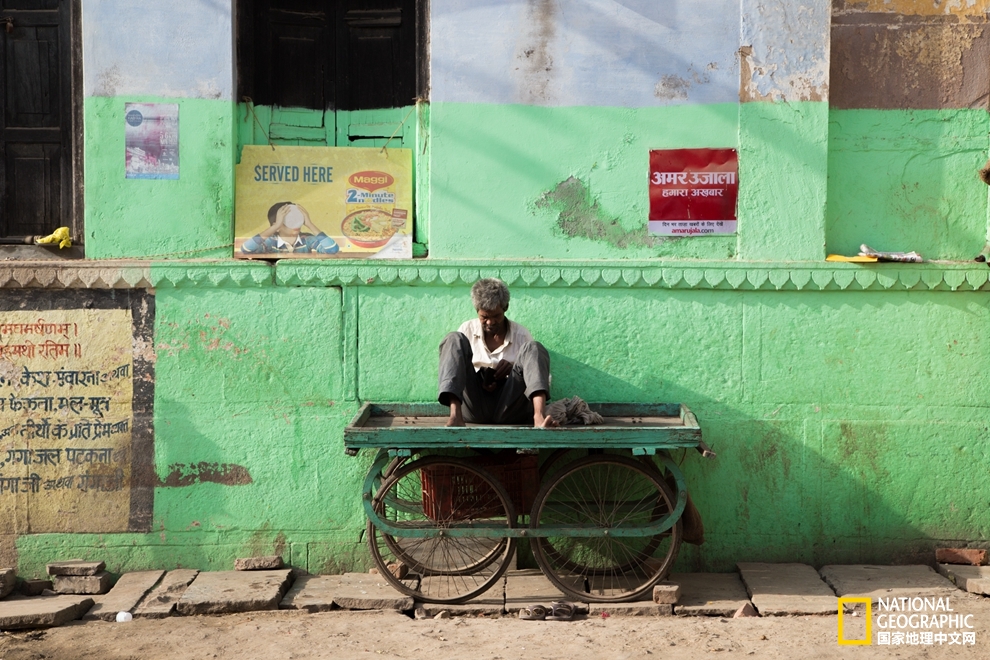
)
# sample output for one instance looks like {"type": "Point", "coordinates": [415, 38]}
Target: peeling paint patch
{"type": "Point", "coordinates": [934, 64]}
{"type": "Point", "coordinates": [579, 216]}
{"type": "Point", "coordinates": [671, 88]}
{"type": "Point", "coordinates": [675, 88]}
{"type": "Point", "coordinates": [108, 81]}
{"type": "Point", "coordinates": [534, 55]}
{"type": "Point", "coordinates": [785, 56]}
{"type": "Point", "coordinates": [763, 82]}
{"type": "Point", "coordinates": [227, 474]}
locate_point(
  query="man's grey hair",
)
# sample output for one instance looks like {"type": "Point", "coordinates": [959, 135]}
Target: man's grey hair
{"type": "Point", "coordinates": [490, 294]}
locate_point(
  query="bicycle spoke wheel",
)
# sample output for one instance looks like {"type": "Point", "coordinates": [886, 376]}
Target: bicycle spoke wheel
{"type": "Point", "coordinates": [440, 493]}
{"type": "Point", "coordinates": [610, 492]}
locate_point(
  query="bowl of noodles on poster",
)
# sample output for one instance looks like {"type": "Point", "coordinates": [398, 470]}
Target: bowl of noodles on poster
{"type": "Point", "coordinates": [369, 228]}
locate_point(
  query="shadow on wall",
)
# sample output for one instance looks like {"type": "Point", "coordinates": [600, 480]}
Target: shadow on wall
{"type": "Point", "coordinates": [797, 487]}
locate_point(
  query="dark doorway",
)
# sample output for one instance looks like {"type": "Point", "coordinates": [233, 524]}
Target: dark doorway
{"type": "Point", "coordinates": [36, 146]}
{"type": "Point", "coordinates": [331, 54]}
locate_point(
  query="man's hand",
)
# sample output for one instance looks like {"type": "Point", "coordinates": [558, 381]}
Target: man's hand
{"type": "Point", "coordinates": [503, 369]}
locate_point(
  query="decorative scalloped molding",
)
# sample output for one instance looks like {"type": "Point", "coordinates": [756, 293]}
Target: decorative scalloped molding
{"type": "Point", "coordinates": [738, 276]}
{"type": "Point", "coordinates": [76, 275]}
{"type": "Point", "coordinates": [642, 275]}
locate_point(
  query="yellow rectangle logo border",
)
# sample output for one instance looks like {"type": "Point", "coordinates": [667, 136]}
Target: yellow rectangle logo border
{"type": "Point", "coordinates": [869, 622]}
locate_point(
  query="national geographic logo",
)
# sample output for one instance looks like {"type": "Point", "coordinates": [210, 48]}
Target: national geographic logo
{"type": "Point", "coordinates": [909, 621]}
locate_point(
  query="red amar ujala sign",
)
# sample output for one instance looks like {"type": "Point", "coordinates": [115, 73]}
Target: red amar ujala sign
{"type": "Point", "coordinates": [693, 191]}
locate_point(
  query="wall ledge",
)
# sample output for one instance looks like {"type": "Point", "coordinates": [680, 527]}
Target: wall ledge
{"type": "Point", "coordinates": [714, 275]}
{"type": "Point", "coordinates": [718, 275]}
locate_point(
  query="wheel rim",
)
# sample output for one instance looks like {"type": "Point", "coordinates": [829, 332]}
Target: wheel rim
{"type": "Point", "coordinates": [441, 569]}
{"type": "Point", "coordinates": [611, 492]}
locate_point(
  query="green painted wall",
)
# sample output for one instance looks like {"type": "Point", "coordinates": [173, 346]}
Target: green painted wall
{"type": "Point", "coordinates": [846, 405]}
{"type": "Point", "coordinates": [783, 151]}
{"type": "Point", "coordinates": [248, 450]}
{"type": "Point", "coordinates": [906, 180]}
{"type": "Point", "coordinates": [518, 181]}
{"type": "Point", "coordinates": [188, 218]}
{"type": "Point", "coordinates": [848, 417]}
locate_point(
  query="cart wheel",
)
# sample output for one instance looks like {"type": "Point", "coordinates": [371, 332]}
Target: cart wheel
{"type": "Point", "coordinates": [448, 494]}
{"type": "Point", "coordinates": [612, 492]}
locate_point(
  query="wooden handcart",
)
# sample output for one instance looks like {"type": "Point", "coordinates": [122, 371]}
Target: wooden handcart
{"type": "Point", "coordinates": [446, 506]}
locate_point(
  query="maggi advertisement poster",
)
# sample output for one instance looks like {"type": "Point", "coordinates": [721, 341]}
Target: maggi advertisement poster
{"type": "Point", "coordinates": [323, 202]}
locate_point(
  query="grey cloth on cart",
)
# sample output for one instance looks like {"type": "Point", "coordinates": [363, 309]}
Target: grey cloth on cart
{"type": "Point", "coordinates": [573, 411]}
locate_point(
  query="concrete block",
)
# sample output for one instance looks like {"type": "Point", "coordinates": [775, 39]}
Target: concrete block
{"type": "Point", "coordinates": [161, 601]}
{"type": "Point", "coordinates": [971, 556]}
{"type": "Point", "coordinates": [82, 584]}
{"type": "Point", "coordinates": [862, 581]}
{"type": "Point", "coordinates": [787, 589]}
{"type": "Point", "coordinates": [974, 579]}
{"type": "Point", "coordinates": [76, 567]}
{"type": "Point", "coordinates": [224, 592]}
{"type": "Point", "coordinates": [42, 612]}
{"type": "Point", "coordinates": [666, 593]}
{"type": "Point", "coordinates": [35, 587]}
{"type": "Point", "coordinates": [272, 563]}
{"type": "Point", "coordinates": [125, 595]}
{"type": "Point", "coordinates": [709, 594]}
{"type": "Point", "coordinates": [8, 580]}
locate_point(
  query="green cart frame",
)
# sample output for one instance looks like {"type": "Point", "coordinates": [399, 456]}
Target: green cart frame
{"type": "Point", "coordinates": [604, 523]}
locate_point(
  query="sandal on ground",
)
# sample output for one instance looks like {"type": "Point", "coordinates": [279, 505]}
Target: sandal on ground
{"type": "Point", "coordinates": [561, 611]}
{"type": "Point", "coordinates": [533, 613]}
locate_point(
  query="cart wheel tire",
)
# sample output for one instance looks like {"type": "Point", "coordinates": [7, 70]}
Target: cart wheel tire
{"type": "Point", "coordinates": [613, 492]}
{"type": "Point", "coordinates": [441, 569]}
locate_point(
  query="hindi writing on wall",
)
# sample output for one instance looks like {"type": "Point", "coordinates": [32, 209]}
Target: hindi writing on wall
{"type": "Point", "coordinates": [67, 421]}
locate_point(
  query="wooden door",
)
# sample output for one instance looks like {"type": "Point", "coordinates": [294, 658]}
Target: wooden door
{"type": "Point", "coordinates": [35, 117]}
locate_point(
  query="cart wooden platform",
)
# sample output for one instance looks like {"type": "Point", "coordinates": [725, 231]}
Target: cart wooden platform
{"type": "Point", "coordinates": [446, 506]}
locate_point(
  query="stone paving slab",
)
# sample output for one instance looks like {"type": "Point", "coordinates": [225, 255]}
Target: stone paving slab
{"type": "Point", "coordinates": [161, 601]}
{"type": "Point", "coordinates": [487, 605]}
{"type": "Point", "coordinates": [709, 594]}
{"type": "Point", "coordinates": [310, 593]}
{"type": "Point", "coordinates": [224, 592]}
{"type": "Point", "coordinates": [974, 579]}
{"type": "Point", "coordinates": [125, 595]}
{"type": "Point", "coordinates": [529, 587]}
{"type": "Point", "coordinates": [21, 613]}
{"type": "Point", "coordinates": [635, 608]}
{"type": "Point", "coordinates": [787, 589]}
{"type": "Point", "coordinates": [862, 581]}
{"type": "Point", "coordinates": [352, 591]}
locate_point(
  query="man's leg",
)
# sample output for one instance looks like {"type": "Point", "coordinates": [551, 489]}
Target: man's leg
{"type": "Point", "coordinates": [524, 395]}
{"type": "Point", "coordinates": [459, 385]}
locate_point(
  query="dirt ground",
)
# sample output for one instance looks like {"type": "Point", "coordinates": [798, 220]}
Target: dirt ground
{"type": "Point", "coordinates": [285, 635]}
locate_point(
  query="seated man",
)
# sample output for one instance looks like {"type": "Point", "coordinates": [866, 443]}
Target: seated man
{"type": "Point", "coordinates": [491, 370]}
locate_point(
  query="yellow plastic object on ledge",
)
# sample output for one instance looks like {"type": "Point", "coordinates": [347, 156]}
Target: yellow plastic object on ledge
{"type": "Point", "coordinates": [858, 259]}
{"type": "Point", "coordinates": [60, 236]}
